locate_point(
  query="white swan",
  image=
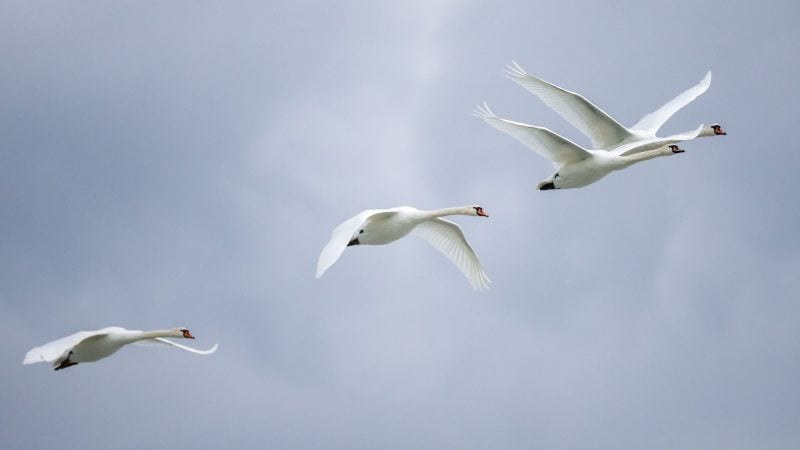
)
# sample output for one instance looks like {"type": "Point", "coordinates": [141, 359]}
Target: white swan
{"type": "Point", "coordinates": [90, 346]}
{"type": "Point", "coordinates": [382, 226]}
{"type": "Point", "coordinates": [602, 129]}
{"type": "Point", "coordinates": [575, 165]}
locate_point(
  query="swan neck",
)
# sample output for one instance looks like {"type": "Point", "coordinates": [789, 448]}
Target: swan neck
{"type": "Point", "coordinates": [456, 210]}
{"type": "Point", "coordinates": [142, 335]}
{"type": "Point", "coordinates": [707, 132]}
{"type": "Point", "coordinates": [643, 156]}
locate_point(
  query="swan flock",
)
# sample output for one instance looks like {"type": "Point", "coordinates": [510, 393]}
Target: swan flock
{"type": "Point", "coordinates": [614, 147]}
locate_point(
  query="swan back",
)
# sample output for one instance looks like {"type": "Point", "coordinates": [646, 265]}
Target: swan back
{"type": "Point", "coordinates": [342, 235]}
{"type": "Point", "coordinates": [53, 350]}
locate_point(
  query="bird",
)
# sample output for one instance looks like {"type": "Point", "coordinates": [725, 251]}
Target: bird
{"type": "Point", "coordinates": [577, 166]}
{"type": "Point", "coordinates": [383, 226]}
{"type": "Point", "coordinates": [91, 346]}
{"type": "Point", "coordinates": [604, 131]}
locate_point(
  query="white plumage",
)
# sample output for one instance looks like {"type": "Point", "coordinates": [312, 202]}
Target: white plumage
{"type": "Point", "coordinates": [577, 166]}
{"type": "Point", "coordinates": [604, 131]}
{"type": "Point", "coordinates": [90, 346]}
{"type": "Point", "coordinates": [382, 226]}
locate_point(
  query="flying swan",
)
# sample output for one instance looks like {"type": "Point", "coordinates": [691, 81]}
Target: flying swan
{"type": "Point", "coordinates": [605, 132]}
{"type": "Point", "coordinates": [91, 346]}
{"type": "Point", "coordinates": [577, 166]}
{"type": "Point", "coordinates": [383, 226]}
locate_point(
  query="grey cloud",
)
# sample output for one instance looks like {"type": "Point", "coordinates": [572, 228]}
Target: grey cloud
{"type": "Point", "coordinates": [184, 164]}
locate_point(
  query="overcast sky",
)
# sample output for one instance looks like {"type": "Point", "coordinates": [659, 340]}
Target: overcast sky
{"type": "Point", "coordinates": [183, 163]}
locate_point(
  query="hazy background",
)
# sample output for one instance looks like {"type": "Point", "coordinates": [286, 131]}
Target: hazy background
{"type": "Point", "coordinates": [183, 163]}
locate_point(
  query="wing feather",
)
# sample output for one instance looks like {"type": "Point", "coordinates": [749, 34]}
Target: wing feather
{"type": "Point", "coordinates": [341, 236]}
{"type": "Point", "coordinates": [167, 343]}
{"type": "Point", "coordinates": [651, 122]}
{"type": "Point", "coordinates": [602, 129]}
{"type": "Point", "coordinates": [546, 143]}
{"type": "Point", "coordinates": [447, 238]}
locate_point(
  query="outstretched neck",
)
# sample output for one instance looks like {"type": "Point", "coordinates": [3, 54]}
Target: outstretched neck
{"type": "Point", "coordinates": [454, 211]}
{"type": "Point", "coordinates": [142, 335]}
{"type": "Point", "coordinates": [643, 156]}
{"type": "Point", "coordinates": [707, 132]}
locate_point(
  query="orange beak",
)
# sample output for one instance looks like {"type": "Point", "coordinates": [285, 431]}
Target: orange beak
{"type": "Point", "coordinates": [188, 335]}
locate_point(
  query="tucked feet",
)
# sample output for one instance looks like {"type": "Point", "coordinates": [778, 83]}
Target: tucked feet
{"type": "Point", "coordinates": [65, 363]}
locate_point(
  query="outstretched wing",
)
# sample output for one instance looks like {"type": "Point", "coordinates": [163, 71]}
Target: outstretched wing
{"type": "Point", "coordinates": [546, 143]}
{"type": "Point", "coordinates": [341, 236]}
{"type": "Point", "coordinates": [53, 350]}
{"type": "Point", "coordinates": [602, 129]}
{"type": "Point", "coordinates": [650, 123]}
{"type": "Point", "coordinates": [654, 143]}
{"type": "Point", "coordinates": [161, 342]}
{"type": "Point", "coordinates": [448, 238]}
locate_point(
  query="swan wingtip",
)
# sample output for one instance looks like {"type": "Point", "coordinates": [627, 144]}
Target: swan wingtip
{"type": "Point", "coordinates": [482, 283]}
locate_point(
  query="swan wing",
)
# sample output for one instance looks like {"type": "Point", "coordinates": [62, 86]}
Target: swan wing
{"type": "Point", "coordinates": [546, 143]}
{"type": "Point", "coordinates": [654, 143]}
{"type": "Point", "coordinates": [341, 236]}
{"type": "Point", "coordinates": [162, 342]}
{"type": "Point", "coordinates": [650, 123]}
{"type": "Point", "coordinates": [602, 129]}
{"type": "Point", "coordinates": [448, 238]}
{"type": "Point", "coordinates": [53, 350]}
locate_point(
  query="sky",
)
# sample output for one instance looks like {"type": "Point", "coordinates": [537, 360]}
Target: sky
{"type": "Point", "coordinates": [183, 164]}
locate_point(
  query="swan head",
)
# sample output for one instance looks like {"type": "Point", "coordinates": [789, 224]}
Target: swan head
{"type": "Point", "coordinates": [675, 149]}
{"type": "Point", "coordinates": [184, 333]}
{"type": "Point", "coordinates": [478, 211]}
{"type": "Point", "coordinates": [714, 129]}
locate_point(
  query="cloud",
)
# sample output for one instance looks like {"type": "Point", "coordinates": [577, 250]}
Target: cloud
{"type": "Point", "coordinates": [184, 166]}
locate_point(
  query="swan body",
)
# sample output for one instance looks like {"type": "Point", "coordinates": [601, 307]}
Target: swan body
{"type": "Point", "coordinates": [91, 346]}
{"type": "Point", "coordinates": [577, 166]}
{"type": "Point", "coordinates": [384, 226]}
{"type": "Point", "coordinates": [604, 131]}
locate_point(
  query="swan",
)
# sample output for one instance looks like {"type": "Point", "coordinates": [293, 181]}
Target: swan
{"type": "Point", "coordinates": [91, 346]}
{"type": "Point", "coordinates": [575, 165]}
{"type": "Point", "coordinates": [383, 226]}
{"type": "Point", "coordinates": [602, 129]}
